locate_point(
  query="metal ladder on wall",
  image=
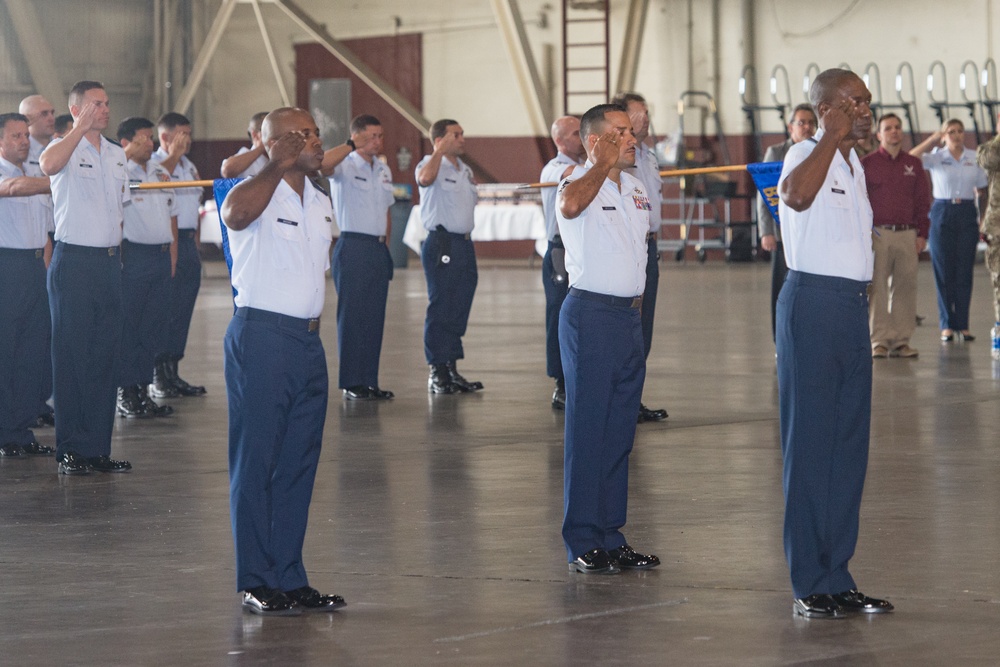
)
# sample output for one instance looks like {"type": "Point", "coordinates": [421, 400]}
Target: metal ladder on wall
{"type": "Point", "coordinates": [586, 55]}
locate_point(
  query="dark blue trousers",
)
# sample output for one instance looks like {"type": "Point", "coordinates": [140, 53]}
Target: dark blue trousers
{"type": "Point", "coordinates": [953, 237]}
{"type": "Point", "coordinates": [450, 289]}
{"type": "Point", "coordinates": [25, 351]}
{"type": "Point", "coordinates": [824, 397]}
{"type": "Point", "coordinates": [183, 293]}
{"type": "Point", "coordinates": [362, 269]}
{"type": "Point", "coordinates": [649, 296]}
{"type": "Point", "coordinates": [555, 294]}
{"type": "Point", "coordinates": [779, 269]}
{"type": "Point", "coordinates": [276, 383]}
{"type": "Point", "coordinates": [85, 300]}
{"type": "Point", "coordinates": [146, 306]}
{"type": "Point", "coordinates": [602, 353]}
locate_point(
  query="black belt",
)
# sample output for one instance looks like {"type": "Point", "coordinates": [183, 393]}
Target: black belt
{"type": "Point", "coordinates": [362, 236]}
{"type": "Point", "coordinates": [148, 247]}
{"type": "Point", "coordinates": [186, 233]}
{"type": "Point", "coordinates": [299, 323]}
{"type": "Point", "coordinates": [896, 228]}
{"type": "Point", "coordinates": [955, 202]}
{"type": "Point", "coordinates": [556, 241]}
{"type": "Point", "coordinates": [87, 250]}
{"type": "Point", "coordinates": [651, 236]}
{"type": "Point", "coordinates": [607, 299]}
{"type": "Point", "coordinates": [23, 252]}
{"type": "Point", "coordinates": [467, 236]}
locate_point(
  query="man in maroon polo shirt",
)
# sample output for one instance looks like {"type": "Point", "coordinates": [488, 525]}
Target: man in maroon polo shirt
{"type": "Point", "coordinates": [901, 199]}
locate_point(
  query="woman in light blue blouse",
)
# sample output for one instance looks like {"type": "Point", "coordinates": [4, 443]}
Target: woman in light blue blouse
{"type": "Point", "coordinates": [957, 180]}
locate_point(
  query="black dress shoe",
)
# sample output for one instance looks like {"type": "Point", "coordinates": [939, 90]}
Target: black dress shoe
{"type": "Point", "coordinates": [46, 419]}
{"type": "Point", "coordinates": [35, 449]}
{"type": "Point", "coordinates": [150, 406]}
{"type": "Point", "coordinates": [11, 451]}
{"type": "Point", "coordinates": [648, 415]}
{"type": "Point", "coordinates": [129, 404]}
{"type": "Point", "coordinates": [269, 602]}
{"type": "Point", "coordinates": [180, 384]}
{"type": "Point", "coordinates": [383, 394]}
{"type": "Point", "coordinates": [628, 559]}
{"type": "Point", "coordinates": [108, 464]}
{"type": "Point", "coordinates": [857, 602]}
{"type": "Point", "coordinates": [72, 463]}
{"type": "Point", "coordinates": [163, 386]}
{"type": "Point", "coordinates": [461, 382]}
{"type": "Point", "coordinates": [559, 396]}
{"type": "Point", "coordinates": [363, 393]}
{"type": "Point", "coordinates": [440, 382]}
{"type": "Point", "coordinates": [818, 606]}
{"type": "Point", "coordinates": [967, 337]}
{"type": "Point", "coordinates": [310, 599]}
{"type": "Point", "coordinates": [595, 561]}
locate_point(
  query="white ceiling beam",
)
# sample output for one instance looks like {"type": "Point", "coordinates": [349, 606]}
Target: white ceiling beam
{"type": "Point", "coordinates": [515, 39]}
{"type": "Point", "coordinates": [205, 56]}
{"type": "Point", "coordinates": [41, 64]}
{"type": "Point", "coordinates": [278, 77]}
{"type": "Point", "coordinates": [635, 27]}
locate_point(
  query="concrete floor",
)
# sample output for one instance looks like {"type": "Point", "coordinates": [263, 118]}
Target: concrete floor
{"type": "Point", "coordinates": [438, 518]}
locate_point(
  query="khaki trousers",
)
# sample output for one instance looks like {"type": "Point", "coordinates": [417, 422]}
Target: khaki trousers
{"type": "Point", "coordinates": [892, 310]}
{"type": "Point", "coordinates": [993, 263]}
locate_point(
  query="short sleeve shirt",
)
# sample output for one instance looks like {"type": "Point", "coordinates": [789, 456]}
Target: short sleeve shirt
{"type": "Point", "coordinates": [553, 173]}
{"type": "Point", "coordinates": [647, 170]}
{"type": "Point", "coordinates": [833, 237]}
{"type": "Point", "coordinates": [951, 178]}
{"type": "Point", "coordinates": [255, 167]}
{"type": "Point", "coordinates": [147, 215]}
{"type": "Point", "coordinates": [362, 193]}
{"type": "Point", "coordinates": [23, 220]}
{"type": "Point", "coordinates": [89, 195]}
{"type": "Point", "coordinates": [606, 244]}
{"type": "Point", "coordinates": [279, 259]}
{"type": "Point", "coordinates": [450, 201]}
{"type": "Point", "coordinates": [33, 168]}
{"type": "Point", "coordinates": [188, 199]}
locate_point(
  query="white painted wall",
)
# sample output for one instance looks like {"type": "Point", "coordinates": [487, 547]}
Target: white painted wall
{"type": "Point", "coordinates": [467, 74]}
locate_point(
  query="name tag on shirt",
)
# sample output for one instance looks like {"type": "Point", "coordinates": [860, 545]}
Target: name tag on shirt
{"type": "Point", "coordinates": [450, 180]}
{"type": "Point", "coordinates": [608, 208]}
{"type": "Point", "coordinates": [288, 222]}
{"type": "Point", "coordinates": [361, 178]}
{"type": "Point", "coordinates": [86, 165]}
{"type": "Point", "coordinates": [837, 191]}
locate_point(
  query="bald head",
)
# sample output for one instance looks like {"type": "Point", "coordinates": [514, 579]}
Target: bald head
{"type": "Point", "coordinates": [838, 92]}
{"type": "Point", "coordinates": [566, 137]}
{"type": "Point", "coordinates": [826, 86]}
{"type": "Point", "coordinates": [282, 121]}
{"type": "Point", "coordinates": [41, 117]}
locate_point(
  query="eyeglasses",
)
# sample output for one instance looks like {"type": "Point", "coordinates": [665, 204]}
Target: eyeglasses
{"type": "Point", "coordinates": [804, 123]}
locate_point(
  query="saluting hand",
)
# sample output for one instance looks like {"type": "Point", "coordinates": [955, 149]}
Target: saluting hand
{"type": "Point", "coordinates": [179, 145]}
{"type": "Point", "coordinates": [447, 143]}
{"type": "Point", "coordinates": [607, 149]}
{"type": "Point", "coordinates": [839, 120]}
{"type": "Point", "coordinates": [87, 117]}
{"type": "Point", "coordinates": [285, 151]}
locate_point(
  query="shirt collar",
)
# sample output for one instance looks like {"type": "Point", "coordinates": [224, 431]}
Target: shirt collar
{"type": "Point", "coordinates": [10, 166]}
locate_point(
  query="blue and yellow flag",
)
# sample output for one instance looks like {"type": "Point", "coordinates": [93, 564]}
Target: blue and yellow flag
{"type": "Point", "coordinates": [765, 176]}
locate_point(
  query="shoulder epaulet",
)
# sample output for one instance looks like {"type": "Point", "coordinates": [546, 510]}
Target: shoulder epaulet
{"type": "Point", "coordinates": [319, 182]}
{"type": "Point", "coordinates": [113, 141]}
{"type": "Point", "coordinates": [812, 139]}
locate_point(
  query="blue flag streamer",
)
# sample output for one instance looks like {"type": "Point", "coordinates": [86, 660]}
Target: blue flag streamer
{"type": "Point", "coordinates": [765, 176]}
{"type": "Point", "coordinates": [221, 188]}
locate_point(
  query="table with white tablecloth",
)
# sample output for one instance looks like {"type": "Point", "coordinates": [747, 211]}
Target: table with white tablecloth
{"type": "Point", "coordinates": [493, 223]}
